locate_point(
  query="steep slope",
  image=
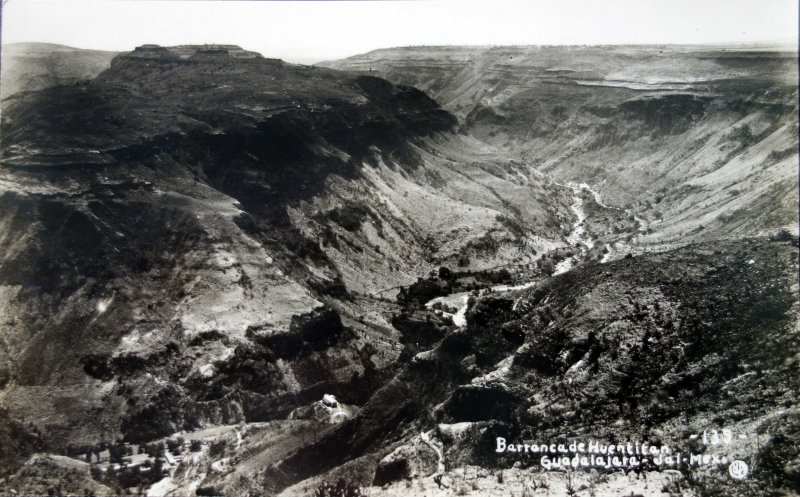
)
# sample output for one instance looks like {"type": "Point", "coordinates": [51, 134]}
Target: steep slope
{"type": "Point", "coordinates": [34, 66]}
{"type": "Point", "coordinates": [660, 348]}
{"type": "Point", "coordinates": [699, 142]}
{"type": "Point", "coordinates": [201, 236]}
{"type": "Point", "coordinates": [217, 272]}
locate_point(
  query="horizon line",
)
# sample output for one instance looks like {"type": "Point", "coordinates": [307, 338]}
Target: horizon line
{"type": "Point", "coordinates": [784, 45]}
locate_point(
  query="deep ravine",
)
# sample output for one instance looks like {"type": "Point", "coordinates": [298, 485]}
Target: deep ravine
{"type": "Point", "coordinates": [579, 238]}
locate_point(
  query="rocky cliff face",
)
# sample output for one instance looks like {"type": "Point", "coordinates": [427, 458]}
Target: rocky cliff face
{"type": "Point", "coordinates": [659, 348]}
{"type": "Point", "coordinates": [697, 141]}
{"type": "Point", "coordinates": [201, 236]}
{"type": "Point", "coordinates": [215, 269]}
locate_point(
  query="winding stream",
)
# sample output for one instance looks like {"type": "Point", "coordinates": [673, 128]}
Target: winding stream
{"type": "Point", "coordinates": [578, 238]}
{"type": "Point", "coordinates": [460, 301]}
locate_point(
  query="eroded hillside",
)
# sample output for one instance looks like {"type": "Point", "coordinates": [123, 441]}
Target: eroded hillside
{"type": "Point", "coordinates": [223, 274]}
{"type": "Point", "coordinates": [657, 348]}
{"type": "Point", "coordinates": [699, 142]}
{"type": "Point", "coordinates": [201, 236]}
{"type": "Point", "coordinates": [34, 66]}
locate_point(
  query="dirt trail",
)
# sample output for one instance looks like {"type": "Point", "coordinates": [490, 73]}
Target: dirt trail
{"type": "Point", "coordinates": [440, 464]}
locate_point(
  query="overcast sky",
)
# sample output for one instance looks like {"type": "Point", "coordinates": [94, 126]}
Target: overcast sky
{"type": "Point", "coordinates": [308, 31]}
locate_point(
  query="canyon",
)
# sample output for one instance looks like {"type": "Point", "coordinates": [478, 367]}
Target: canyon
{"type": "Point", "coordinates": [224, 274]}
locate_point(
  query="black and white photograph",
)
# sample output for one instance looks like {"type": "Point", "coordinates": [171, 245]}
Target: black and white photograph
{"type": "Point", "coordinates": [399, 248]}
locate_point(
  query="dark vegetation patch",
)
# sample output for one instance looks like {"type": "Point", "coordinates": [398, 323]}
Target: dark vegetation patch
{"type": "Point", "coordinates": [445, 281]}
{"type": "Point", "coordinates": [420, 330]}
{"type": "Point", "coordinates": [512, 225]}
{"type": "Point", "coordinates": [105, 368]}
{"type": "Point", "coordinates": [351, 216]}
{"type": "Point", "coordinates": [317, 330]}
{"type": "Point", "coordinates": [18, 440]}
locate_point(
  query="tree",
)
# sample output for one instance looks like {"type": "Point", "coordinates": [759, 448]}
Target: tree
{"type": "Point", "coordinates": [117, 452]}
{"type": "Point", "coordinates": [174, 446]}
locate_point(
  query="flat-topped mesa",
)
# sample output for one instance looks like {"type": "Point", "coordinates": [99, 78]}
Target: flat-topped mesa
{"type": "Point", "coordinates": [149, 51]}
{"type": "Point", "coordinates": [154, 52]}
{"type": "Point", "coordinates": [147, 54]}
{"type": "Point", "coordinates": [150, 47]}
{"type": "Point", "coordinates": [213, 51]}
{"type": "Point", "coordinates": [152, 55]}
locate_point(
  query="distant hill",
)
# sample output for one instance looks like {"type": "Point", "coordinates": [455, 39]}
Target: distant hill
{"type": "Point", "coordinates": [224, 274]}
{"type": "Point", "coordinates": [34, 66]}
{"type": "Point", "coordinates": [701, 142]}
